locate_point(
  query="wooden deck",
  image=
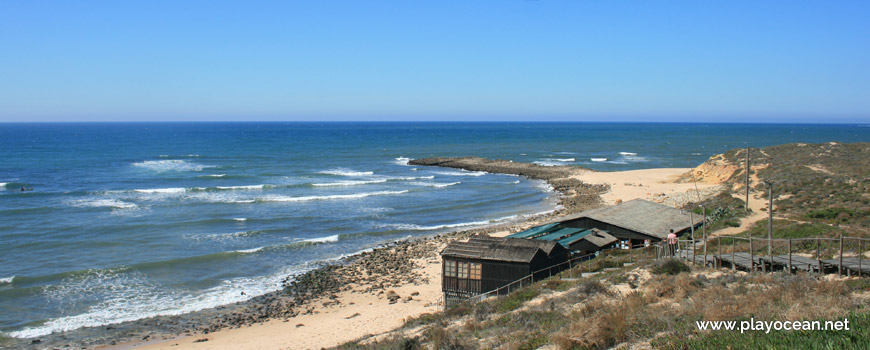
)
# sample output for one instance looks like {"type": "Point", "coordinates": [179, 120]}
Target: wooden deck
{"type": "Point", "coordinates": [852, 265]}
{"type": "Point", "coordinates": [780, 262]}
{"type": "Point", "coordinates": [742, 261]}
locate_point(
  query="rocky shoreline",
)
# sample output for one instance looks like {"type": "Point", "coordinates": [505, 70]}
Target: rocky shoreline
{"type": "Point", "coordinates": [378, 270]}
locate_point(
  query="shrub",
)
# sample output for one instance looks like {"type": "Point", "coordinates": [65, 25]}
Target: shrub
{"type": "Point", "coordinates": [670, 267]}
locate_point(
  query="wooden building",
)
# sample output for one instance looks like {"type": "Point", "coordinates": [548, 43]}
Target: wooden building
{"type": "Point", "coordinates": [636, 221]}
{"type": "Point", "coordinates": [591, 241]}
{"type": "Point", "coordinates": [485, 264]}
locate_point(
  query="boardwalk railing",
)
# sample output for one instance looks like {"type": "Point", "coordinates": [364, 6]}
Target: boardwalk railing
{"type": "Point", "coordinates": [843, 255]}
{"type": "Point", "coordinates": [575, 269]}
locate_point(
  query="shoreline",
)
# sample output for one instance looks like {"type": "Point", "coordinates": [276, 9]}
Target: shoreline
{"type": "Point", "coordinates": [377, 289]}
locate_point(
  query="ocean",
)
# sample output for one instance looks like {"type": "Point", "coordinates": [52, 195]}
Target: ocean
{"type": "Point", "coordinates": [131, 220]}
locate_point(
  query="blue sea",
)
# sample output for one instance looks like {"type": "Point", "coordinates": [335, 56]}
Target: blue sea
{"type": "Point", "coordinates": [130, 220]}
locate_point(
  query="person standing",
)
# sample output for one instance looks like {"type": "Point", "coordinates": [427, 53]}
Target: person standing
{"type": "Point", "coordinates": [672, 243]}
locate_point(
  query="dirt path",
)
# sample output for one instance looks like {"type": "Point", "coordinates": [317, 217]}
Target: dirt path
{"type": "Point", "coordinates": [756, 203]}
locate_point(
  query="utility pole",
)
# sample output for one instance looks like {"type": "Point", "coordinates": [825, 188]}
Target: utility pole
{"type": "Point", "coordinates": [704, 232]}
{"type": "Point", "coordinates": [747, 180]}
{"type": "Point", "coordinates": [769, 219]}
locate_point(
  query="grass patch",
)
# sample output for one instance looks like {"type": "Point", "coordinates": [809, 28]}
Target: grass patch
{"type": "Point", "coordinates": [393, 343]}
{"type": "Point", "coordinates": [516, 299]}
{"type": "Point", "coordinates": [860, 284]}
{"type": "Point", "coordinates": [790, 229]}
{"type": "Point", "coordinates": [855, 338]}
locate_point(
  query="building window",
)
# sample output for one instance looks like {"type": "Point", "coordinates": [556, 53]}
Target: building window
{"type": "Point", "coordinates": [474, 271]}
{"type": "Point", "coordinates": [463, 270]}
{"type": "Point", "coordinates": [449, 268]}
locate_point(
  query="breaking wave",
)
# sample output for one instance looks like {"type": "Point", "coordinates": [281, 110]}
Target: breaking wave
{"type": "Point", "coordinates": [462, 173]}
{"type": "Point", "coordinates": [347, 172]}
{"type": "Point", "coordinates": [171, 165]}
{"type": "Point", "coordinates": [327, 239]}
{"type": "Point", "coordinates": [318, 198]}
{"type": "Point", "coordinates": [350, 183]}
{"type": "Point", "coordinates": [110, 203]}
{"type": "Point", "coordinates": [402, 160]}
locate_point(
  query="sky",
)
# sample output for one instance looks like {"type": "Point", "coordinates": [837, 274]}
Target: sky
{"type": "Point", "coordinates": [504, 60]}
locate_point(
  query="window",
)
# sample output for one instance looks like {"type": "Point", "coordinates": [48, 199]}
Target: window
{"type": "Point", "coordinates": [449, 268]}
{"type": "Point", "coordinates": [474, 272]}
{"type": "Point", "coordinates": [463, 270]}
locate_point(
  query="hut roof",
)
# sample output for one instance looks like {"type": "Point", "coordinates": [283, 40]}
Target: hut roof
{"type": "Point", "coordinates": [536, 231]}
{"type": "Point", "coordinates": [651, 219]}
{"type": "Point", "coordinates": [499, 249]}
{"type": "Point", "coordinates": [597, 237]}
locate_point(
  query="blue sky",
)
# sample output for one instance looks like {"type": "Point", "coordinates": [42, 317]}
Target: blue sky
{"type": "Point", "coordinates": [756, 61]}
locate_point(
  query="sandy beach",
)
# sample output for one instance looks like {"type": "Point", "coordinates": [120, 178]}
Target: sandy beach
{"type": "Point", "coordinates": [366, 309]}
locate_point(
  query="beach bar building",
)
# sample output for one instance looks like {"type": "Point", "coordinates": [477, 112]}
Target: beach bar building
{"type": "Point", "coordinates": [636, 221]}
{"type": "Point", "coordinates": [631, 222]}
{"type": "Point", "coordinates": [580, 241]}
{"type": "Point", "coordinates": [484, 264]}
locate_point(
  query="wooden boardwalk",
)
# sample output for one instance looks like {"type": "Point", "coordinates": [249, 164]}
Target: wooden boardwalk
{"type": "Point", "coordinates": [743, 261]}
{"type": "Point", "coordinates": [851, 265]}
{"type": "Point", "coordinates": [780, 262]}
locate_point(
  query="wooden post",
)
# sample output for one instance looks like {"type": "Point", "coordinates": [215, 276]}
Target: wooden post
{"type": "Point", "coordinates": [818, 256]}
{"type": "Point", "coordinates": [733, 265]}
{"type": "Point", "coordinates": [840, 266]}
{"type": "Point", "coordinates": [747, 180]}
{"type": "Point", "coordinates": [770, 224]}
{"type": "Point", "coordinates": [789, 255]}
{"type": "Point", "coordinates": [692, 229]}
{"type": "Point", "coordinates": [629, 251]}
{"type": "Point", "coordinates": [704, 233]}
{"type": "Point", "coordinates": [719, 253]}
{"type": "Point", "coordinates": [860, 256]}
{"type": "Point", "coordinates": [751, 256]}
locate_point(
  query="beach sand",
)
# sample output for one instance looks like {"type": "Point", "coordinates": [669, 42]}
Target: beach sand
{"type": "Point", "coordinates": [361, 313]}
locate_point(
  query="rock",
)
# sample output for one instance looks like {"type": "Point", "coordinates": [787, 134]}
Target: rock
{"type": "Point", "coordinates": [201, 340]}
{"type": "Point", "coordinates": [393, 297]}
{"type": "Point", "coordinates": [300, 325]}
{"type": "Point", "coordinates": [352, 316]}
{"type": "Point", "coordinates": [415, 294]}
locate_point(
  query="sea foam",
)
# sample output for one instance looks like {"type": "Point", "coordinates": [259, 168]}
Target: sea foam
{"type": "Point", "coordinates": [462, 173]}
{"type": "Point", "coordinates": [349, 183]}
{"type": "Point", "coordinates": [6, 280]}
{"type": "Point", "coordinates": [162, 190]}
{"type": "Point", "coordinates": [402, 160]}
{"type": "Point", "coordinates": [171, 165]}
{"type": "Point", "coordinates": [347, 172]}
{"type": "Point", "coordinates": [336, 196]}
{"type": "Point", "coordinates": [112, 203]}
{"type": "Point", "coordinates": [130, 296]}
{"type": "Point", "coordinates": [327, 239]}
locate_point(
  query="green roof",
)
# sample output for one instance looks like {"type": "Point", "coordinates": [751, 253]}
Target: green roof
{"type": "Point", "coordinates": [568, 231]}
{"type": "Point", "coordinates": [567, 241]}
{"type": "Point", "coordinates": [535, 231]}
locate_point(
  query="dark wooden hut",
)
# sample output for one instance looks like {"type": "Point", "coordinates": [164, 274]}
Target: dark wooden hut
{"type": "Point", "coordinates": [485, 264]}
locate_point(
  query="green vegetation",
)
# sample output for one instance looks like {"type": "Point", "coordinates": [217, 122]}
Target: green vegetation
{"type": "Point", "coordinates": [811, 178]}
{"type": "Point", "coordinates": [855, 338]}
{"type": "Point", "coordinates": [723, 210]}
{"type": "Point", "coordinates": [661, 308]}
{"type": "Point", "coordinates": [791, 229]}
{"type": "Point", "coordinates": [670, 267]}
{"type": "Point", "coordinates": [516, 299]}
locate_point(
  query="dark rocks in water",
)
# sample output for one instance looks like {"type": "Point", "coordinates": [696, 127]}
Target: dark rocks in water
{"type": "Point", "coordinates": [576, 195]}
